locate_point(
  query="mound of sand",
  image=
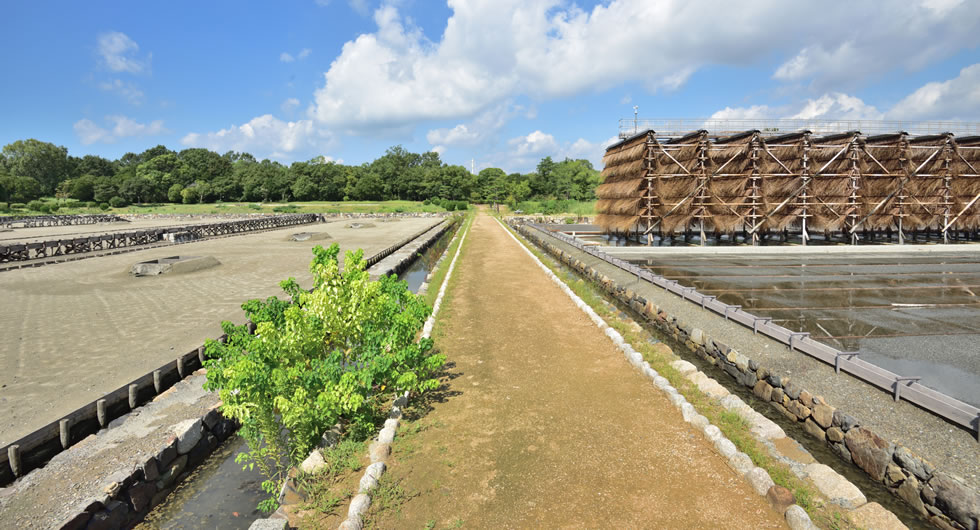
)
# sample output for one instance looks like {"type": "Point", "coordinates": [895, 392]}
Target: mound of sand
{"type": "Point", "coordinates": [308, 236]}
{"type": "Point", "coordinates": [173, 265]}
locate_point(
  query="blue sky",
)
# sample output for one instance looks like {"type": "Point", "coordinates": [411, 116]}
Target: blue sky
{"type": "Point", "coordinates": [500, 82]}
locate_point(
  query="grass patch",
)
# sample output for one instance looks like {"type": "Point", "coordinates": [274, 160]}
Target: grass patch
{"type": "Point", "coordinates": [440, 273]}
{"type": "Point", "coordinates": [387, 499]}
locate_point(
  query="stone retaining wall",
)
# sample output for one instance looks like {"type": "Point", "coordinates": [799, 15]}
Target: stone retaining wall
{"type": "Point", "coordinates": [130, 494]}
{"type": "Point", "coordinates": [937, 495]}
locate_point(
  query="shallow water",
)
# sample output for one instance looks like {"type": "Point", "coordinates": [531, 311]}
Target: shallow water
{"type": "Point", "coordinates": [218, 495]}
{"type": "Point", "coordinates": [914, 315]}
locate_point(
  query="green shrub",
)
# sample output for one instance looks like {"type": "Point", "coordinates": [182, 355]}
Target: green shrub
{"type": "Point", "coordinates": [91, 204]}
{"type": "Point", "coordinates": [288, 208]}
{"type": "Point", "coordinates": [36, 206]}
{"type": "Point", "coordinates": [104, 206]}
{"type": "Point", "coordinates": [255, 206]}
{"type": "Point", "coordinates": [17, 206]}
{"type": "Point", "coordinates": [321, 356]}
{"type": "Point", "coordinates": [118, 202]}
{"type": "Point", "coordinates": [426, 202]}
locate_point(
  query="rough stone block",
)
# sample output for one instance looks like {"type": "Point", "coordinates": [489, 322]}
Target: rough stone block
{"type": "Point", "coordinates": [741, 463]}
{"type": "Point", "coordinates": [188, 433]}
{"type": "Point", "coordinates": [379, 451]}
{"type": "Point", "coordinates": [910, 492]}
{"type": "Point", "coordinates": [814, 430]}
{"type": "Point", "coordinates": [140, 495]}
{"type": "Point", "coordinates": [915, 465]}
{"type": "Point", "coordinates": [780, 499]}
{"type": "Point", "coordinates": [169, 474]}
{"type": "Point", "coordinates": [777, 394]}
{"type": "Point", "coordinates": [760, 481]}
{"type": "Point", "coordinates": [797, 519]}
{"type": "Point", "coordinates": [841, 451]}
{"type": "Point", "coordinates": [806, 398]}
{"type": "Point", "coordinates": [838, 489]}
{"type": "Point", "coordinates": [358, 505]}
{"type": "Point", "coordinates": [823, 415]}
{"type": "Point", "coordinates": [798, 409]}
{"type": "Point", "coordinates": [199, 453]}
{"type": "Point", "coordinates": [684, 367]}
{"type": "Point", "coordinates": [212, 418]}
{"type": "Point", "coordinates": [956, 500]}
{"type": "Point", "coordinates": [869, 451]}
{"type": "Point", "coordinates": [873, 515]}
{"type": "Point", "coordinates": [725, 447]}
{"type": "Point", "coordinates": [846, 422]}
{"type": "Point", "coordinates": [893, 475]}
{"type": "Point", "coordinates": [775, 380]}
{"type": "Point", "coordinates": [793, 390]}
{"type": "Point", "coordinates": [313, 463]}
{"type": "Point", "coordinates": [834, 434]}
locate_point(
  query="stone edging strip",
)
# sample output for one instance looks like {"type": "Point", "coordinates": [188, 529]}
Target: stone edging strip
{"type": "Point", "coordinates": [758, 478]}
{"type": "Point", "coordinates": [381, 448]}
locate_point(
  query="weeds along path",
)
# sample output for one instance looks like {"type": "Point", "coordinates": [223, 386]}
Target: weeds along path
{"type": "Point", "coordinates": [542, 423]}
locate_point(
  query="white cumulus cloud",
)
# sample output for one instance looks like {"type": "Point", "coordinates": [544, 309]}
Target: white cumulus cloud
{"type": "Point", "coordinates": [119, 127]}
{"type": "Point", "coordinates": [953, 99]}
{"type": "Point", "coordinates": [490, 51]}
{"type": "Point", "coordinates": [119, 53]}
{"type": "Point", "coordinates": [264, 136]}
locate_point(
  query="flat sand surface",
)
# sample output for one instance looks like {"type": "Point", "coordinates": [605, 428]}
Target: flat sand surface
{"type": "Point", "coordinates": [71, 332]}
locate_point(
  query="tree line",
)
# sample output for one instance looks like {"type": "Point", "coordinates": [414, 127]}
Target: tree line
{"type": "Point", "coordinates": [31, 169]}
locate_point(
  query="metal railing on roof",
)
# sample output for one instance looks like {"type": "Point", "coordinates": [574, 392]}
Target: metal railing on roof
{"type": "Point", "coordinates": [722, 127]}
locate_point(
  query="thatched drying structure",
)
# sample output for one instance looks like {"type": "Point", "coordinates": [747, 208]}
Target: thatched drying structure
{"type": "Point", "coordinates": [847, 186]}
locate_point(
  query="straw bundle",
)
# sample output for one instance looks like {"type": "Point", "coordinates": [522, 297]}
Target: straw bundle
{"type": "Point", "coordinates": [619, 207]}
{"type": "Point", "coordinates": [621, 189]}
{"type": "Point", "coordinates": [616, 223]}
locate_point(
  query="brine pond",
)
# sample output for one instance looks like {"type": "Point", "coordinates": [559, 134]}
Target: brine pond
{"type": "Point", "coordinates": [916, 315]}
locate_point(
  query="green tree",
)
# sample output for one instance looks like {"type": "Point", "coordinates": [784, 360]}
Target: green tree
{"type": "Point", "coordinates": [83, 188]}
{"type": "Point", "coordinates": [331, 353]}
{"type": "Point", "coordinates": [174, 193]}
{"type": "Point", "coordinates": [202, 165]}
{"type": "Point", "coordinates": [95, 166]}
{"type": "Point", "coordinates": [44, 162]}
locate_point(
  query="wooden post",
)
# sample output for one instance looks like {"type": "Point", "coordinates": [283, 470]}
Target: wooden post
{"type": "Point", "coordinates": [157, 381]}
{"type": "Point", "coordinates": [133, 396]}
{"type": "Point", "coordinates": [64, 427]}
{"type": "Point", "coordinates": [181, 369]}
{"type": "Point", "coordinates": [200, 354]}
{"type": "Point", "coordinates": [13, 456]}
{"type": "Point", "coordinates": [100, 412]}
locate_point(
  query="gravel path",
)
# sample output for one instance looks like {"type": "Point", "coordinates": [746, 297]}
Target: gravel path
{"type": "Point", "coordinates": [541, 424]}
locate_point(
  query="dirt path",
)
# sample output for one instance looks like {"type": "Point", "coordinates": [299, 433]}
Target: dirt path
{"type": "Point", "coordinates": [542, 422]}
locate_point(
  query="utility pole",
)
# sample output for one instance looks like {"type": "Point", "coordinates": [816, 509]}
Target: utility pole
{"type": "Point", "coordinates": [636, 109]}
{"type": "Point", "coordinates": [473, 166]}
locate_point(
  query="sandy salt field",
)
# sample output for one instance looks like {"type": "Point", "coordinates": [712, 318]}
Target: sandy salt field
{"type": "Point", "coordinates": [74, 331]}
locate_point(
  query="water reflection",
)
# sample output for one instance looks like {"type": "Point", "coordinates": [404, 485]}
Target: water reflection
{"type": "Point", "coordinates": [915, 315]}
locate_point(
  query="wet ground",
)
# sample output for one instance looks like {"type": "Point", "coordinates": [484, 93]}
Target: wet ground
{"type": "Point", "coordinates": [914, 315]}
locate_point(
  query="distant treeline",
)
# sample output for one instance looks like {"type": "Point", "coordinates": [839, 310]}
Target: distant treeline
{"type": "Point", "coordinates": [31, 169]}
